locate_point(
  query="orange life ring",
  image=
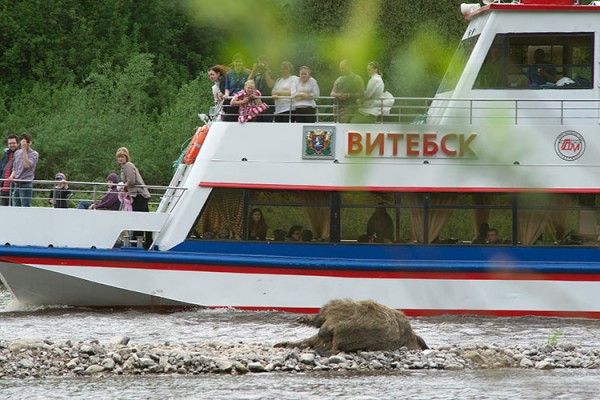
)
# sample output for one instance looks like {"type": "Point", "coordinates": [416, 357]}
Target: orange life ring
{"type": "Point", "coordinates": [197, 141]}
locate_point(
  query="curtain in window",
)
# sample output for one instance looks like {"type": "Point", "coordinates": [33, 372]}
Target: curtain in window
{"type": "Point", "coordinates": [558, 219]}
{"type": "Point", "coordinates": [318, 217]}
{"type": "Point", "coordinates": [531, 224]}
{"type": "Point", "coordinates": [437, 216]}
{"type": "Point", "coordinates": [225, 210]}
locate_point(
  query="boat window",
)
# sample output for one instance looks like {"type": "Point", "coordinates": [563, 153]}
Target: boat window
{"type": "Point", "coordinates": [472, 216]}
{"type": "Point", "coordinates": [285, 212]}
{"type": "Point", "coordinates": [376, 217]}
{"type": "Point", "coordinates": [532, 61]}
{"type": "Point", "coordinates": [222, 216]}
{"type": "Point", "coordinates": [523, 219]}
{"type": "Point", "coordinates": [457, 64]}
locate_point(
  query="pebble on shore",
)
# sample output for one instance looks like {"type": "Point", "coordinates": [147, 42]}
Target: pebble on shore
{"type": "Point", "coordinates": [33, 358]}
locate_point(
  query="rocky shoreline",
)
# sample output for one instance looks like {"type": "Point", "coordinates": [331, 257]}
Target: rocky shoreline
{"type": "Point", "coordinates": [33, 358]}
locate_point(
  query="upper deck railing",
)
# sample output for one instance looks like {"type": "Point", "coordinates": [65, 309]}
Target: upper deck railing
{"type": "Point", "coordinates": [162, 198]}
{"type": "Point", "coordinates": [423, 110]}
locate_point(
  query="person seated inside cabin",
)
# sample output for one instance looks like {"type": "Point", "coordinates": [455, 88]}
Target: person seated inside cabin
{"type": "Point", "coordinates": [364, 238]}
{"type": "Point", "coordinates": [380, 226]}
{"type": "Point", "coordinates": [60, 192]}
{"type": "Point", "coordinates": [278, 235]}
{"type": "Point", "coordinates": [492, 236]}
{"type": "Point", "coordinates": [294, 234]}
{"type": "Point", "coordinates": [110, 200]}
{"type": "Point", "coordinates": [257, 227]}
{"type": "Point", "coordinates": [224, 233]}
{"type": "Point", "coordinates": [307, 235]}
{"type": "Point", "coordinates": [541, 73]}
{"type": "Point", "coordinates": [481, 237]}
{"type": "Point", "coordinates": [208, 235]}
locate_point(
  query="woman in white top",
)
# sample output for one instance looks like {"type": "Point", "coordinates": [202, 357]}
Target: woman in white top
{"type": "Point", "coordinates": [370, 105]}
{"type": "Point", "coordinates": [304, 93]}
{"type": "Point", "coordinates": [282, 90]}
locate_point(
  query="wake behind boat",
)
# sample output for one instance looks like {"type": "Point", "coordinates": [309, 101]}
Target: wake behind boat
{"type": "Point", "coordinates": [399, 210]}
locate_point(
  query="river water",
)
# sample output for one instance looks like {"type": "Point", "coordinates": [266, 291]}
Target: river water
{"type": "Point", "coordinates": [230, 326]}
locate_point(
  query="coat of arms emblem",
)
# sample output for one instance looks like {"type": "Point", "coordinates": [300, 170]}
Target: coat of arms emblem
{"type": "Point", "coordinates": [318, 142]}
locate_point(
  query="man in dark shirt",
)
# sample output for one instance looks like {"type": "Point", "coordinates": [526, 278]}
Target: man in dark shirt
{"type": "Point", "coordinates": [6, 168]}
{"type": "Point", "coordinates": [347, 88]}
{"type": "Point", "coordinates": [234, 82]}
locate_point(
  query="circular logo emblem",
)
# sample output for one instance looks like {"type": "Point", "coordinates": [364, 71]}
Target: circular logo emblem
{"type": "Point", "coordinates": [569, 145]}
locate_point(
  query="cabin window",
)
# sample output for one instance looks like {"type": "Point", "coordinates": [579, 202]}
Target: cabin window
{"type": "Point", "coordinates": [287, 211]}
{"type": "Point", "coordinates": [457, 65]}
{"type": "Point", "coordinates": [533, 61]}
{"type": "Point", "coordinates": [395, 218]}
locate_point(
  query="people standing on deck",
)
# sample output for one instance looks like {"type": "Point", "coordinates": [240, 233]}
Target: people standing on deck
{"type": "Point", "coordinates": [234, 82]}
{"type": "Point", "coordinates": [249, 102]}
{"type": "Point", "coordinates": [261, 75]}
{"type": "Point", "coordinates": [371, 106]}
{"type": "Point", "coordinates": [134, 185]}
{"type": "Point", "coordinates": [6, 167]}
{"type": "Point", "coordinates": [347, 88]}
{"type": "Point", "coordinates": [24, 163]}
{"type": "Point", "coordinates": [110, 200]}
{"type": "Point", "coordinates": [217, 76]}
{"type": "Point", "coordinates": [60, 192]}
{"type": "Point", "coordinates": [380, 226]}
{"type": "Point", "coordinates": [283, 88]}
{"type": "Point", "coordinates": [541, 72]}
{"type": "Point", "coordinates": [304, 92]}
{"type": "Point", "coordinates": [257, 226]}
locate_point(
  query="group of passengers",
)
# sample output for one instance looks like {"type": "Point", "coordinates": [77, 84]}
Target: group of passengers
{"type": "Point", "coordinates": [17, 172]}
{"type": "Point", "coordinates": [257, 95]}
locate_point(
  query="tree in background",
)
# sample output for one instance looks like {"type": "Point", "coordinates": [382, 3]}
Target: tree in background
{"type": "Point", "coordinates": [86, 77]}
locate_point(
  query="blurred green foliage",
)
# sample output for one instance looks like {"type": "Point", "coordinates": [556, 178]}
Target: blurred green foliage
{"type": "Point", "coordinates": [86, 77]}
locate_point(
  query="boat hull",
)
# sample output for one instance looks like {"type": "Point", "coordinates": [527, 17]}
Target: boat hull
{"type": "Point", "coordinates": [429, 280]}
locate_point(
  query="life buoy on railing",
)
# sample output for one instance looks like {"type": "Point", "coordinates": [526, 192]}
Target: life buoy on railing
{"type": "Point", "coordinates": [194, 149]}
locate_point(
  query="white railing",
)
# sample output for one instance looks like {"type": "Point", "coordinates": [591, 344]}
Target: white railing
{"type": "Point", "coordinates": [162, 198]}
{"type": "Point", "coordinates": [419, 110]}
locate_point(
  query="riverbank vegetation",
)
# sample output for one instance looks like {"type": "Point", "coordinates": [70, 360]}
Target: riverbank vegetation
{"type": "Point", "coordinates": [88, 77]}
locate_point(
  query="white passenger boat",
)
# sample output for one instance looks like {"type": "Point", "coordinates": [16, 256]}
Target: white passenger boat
{"type": "Point", "coordinates": [496, 146]}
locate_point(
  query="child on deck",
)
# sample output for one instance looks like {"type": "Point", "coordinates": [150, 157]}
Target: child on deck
{"type": "Point", "coordinates": [60, 192]}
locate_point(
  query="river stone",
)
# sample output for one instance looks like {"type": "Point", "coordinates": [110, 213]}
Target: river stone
{"type": "Point", "coordinates": [25, 344]}
{"type": "Point", "coordinates": [25, 363]}
{"type": "Point", "coordinates": [256, 367]}
{"type": "Point", "coordinates": [108, 364]}
{"type": "Point", "coordinates": [94, 369]}
{"type": "Point", "coordinates": [474, 356]}
{"type": "Point", "coordinates": [526, 363]}
{"type": "Point", "coordinates": [337, 359]}
{"type": "Point", "coordinates": [544, 364]}
{"type": "Point", "coordinates": [87, 349]}
{"type": "Point", "coordinates": [146, 362]}
{"type": "Point", "coordinates": [566, 346]}
{"type": "Point", "coordinates": [240, 368]}
{"type": "Point", "coordinates": [307, 358]}
{"type": "Point", "coordinates": [73, 363]}
{"type": "Point", "coordinates": [223, 366]}
{"type": "Point", "coordinates": [120, 340]}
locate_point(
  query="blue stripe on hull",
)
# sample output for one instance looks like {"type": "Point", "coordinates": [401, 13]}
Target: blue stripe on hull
{"type": "Point", "coordinates": [568, 259]}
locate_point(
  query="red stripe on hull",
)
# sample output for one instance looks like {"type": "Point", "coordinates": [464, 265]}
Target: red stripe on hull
{"type": "Point", "coordinates": [433, 313]}
{"type": "Point", "coordinates": [243, 185]}
{"type": "Point", "coordinates": [251, 270]}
